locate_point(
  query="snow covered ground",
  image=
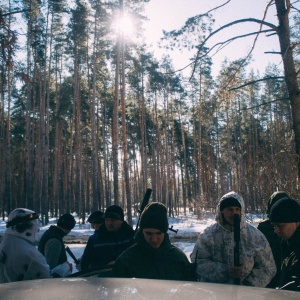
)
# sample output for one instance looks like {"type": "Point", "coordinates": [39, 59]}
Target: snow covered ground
{"type": "Point", "coordinates": [188, 227]}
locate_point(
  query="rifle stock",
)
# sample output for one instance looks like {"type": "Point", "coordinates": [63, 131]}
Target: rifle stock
{"type": "Point", "coordinates": [237, 237]}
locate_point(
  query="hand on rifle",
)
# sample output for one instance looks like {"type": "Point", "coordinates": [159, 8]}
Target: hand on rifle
{"type": "Point", "coordinates": [236, 272]}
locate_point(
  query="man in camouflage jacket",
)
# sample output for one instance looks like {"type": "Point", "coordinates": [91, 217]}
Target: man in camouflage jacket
{"type": "Point", "coordinates": [214, 250]}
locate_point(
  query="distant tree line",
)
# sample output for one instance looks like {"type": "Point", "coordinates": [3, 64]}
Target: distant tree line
{"type": "Point", "coordinates": [90, 118]}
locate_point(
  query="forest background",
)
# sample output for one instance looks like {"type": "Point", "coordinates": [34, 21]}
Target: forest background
{"type": "Point", "coordinates": [89, 117]}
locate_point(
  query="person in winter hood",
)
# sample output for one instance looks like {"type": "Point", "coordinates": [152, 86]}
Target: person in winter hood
{"type": "Point", "coordinates": [214, 250]}
{"type": "Point", "coordinates": [19, 257]}
{"type": "Point", "coordinates": [267, 229]}
{"type": "Point", "coordinates": [285, 217]}
{"type": "Point", "coordinates": [153, 256]}
{"type": "Point", "coordinates": [52, 246]}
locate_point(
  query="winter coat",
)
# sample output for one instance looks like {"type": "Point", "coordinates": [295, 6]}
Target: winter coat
{"type": "Point", "coordinates": [290, 268]}
{"type": "Point", "coordinates": [104, 247]}
{"type": "Point", "coordinates": [214, 252]}
{"type": "Point", "coordinates": [51, 245]}
{"type": "Point", "coordinates": [275, 243]}
{"type": "Point", "coordinates": [274, 240]}
{"type": "Point", "coordinates": [143, 261]}
{"type": "Point", "coordinates": [20, 259]}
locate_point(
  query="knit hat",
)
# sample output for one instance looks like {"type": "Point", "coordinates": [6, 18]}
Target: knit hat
{"type": "Point", "coordinates": [286, 210]}
{"type": "Point", "coordinates": [66, 221]}
{"type": "Point", "coordinates": [274, 198]}
{"type": "Point", "coordinates": [114, 212]}
{"type": "Point", "coordinates": [96, 217]}
{"type": "Point", "coordinates": [229, 202]}
{"type": "Point", "coordinates": [155, 216]}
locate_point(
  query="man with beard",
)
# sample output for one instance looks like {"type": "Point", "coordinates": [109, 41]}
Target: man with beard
{"type": "Point", "coordinates": [214, 250]}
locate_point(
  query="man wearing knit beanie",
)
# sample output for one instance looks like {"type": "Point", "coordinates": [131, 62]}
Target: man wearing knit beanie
{"type": "Point", "coordinates": [153, 256]}
{"type": "Point", "coordinates": [267, 229]}
{"type": "Point", "coordinates": [285, 217]}
{"type": "Point", "coordinates": [107, 243]}
{"type": "Point", "coordinates": [51, 245]}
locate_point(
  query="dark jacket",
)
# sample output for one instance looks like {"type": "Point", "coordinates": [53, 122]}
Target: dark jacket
{"type": "Point", "coordinates": [53, 233]}
{"type": "Point", "coordinates": [290, 268]}
{"type": "Point", "coordinates": [142, 261]}
{"type": "Point", "coordinates": [275, 243]}
{"type": "Point", "coordinates": [105, 246]}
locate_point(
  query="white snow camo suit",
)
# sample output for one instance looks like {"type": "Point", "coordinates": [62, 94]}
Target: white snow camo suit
{"type": "Point", "coordinates": [215, 252]}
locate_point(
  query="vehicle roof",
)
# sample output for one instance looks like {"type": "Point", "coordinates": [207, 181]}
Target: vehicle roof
{"type": "Point", "coordinates": [121, 288]}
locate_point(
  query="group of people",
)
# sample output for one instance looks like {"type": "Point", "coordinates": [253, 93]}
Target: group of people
{"type": "Point", "coordinates": [268, 256]}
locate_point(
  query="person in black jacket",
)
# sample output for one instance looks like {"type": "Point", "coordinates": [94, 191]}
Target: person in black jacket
{"type": "Point", "coordinates": [51, 245]}
{"type": "Point", "coordinates": [268, 230]}
{"type": "Point", "coordinates": [285, 217]}
{"type": "Point", "coordinates": [153, 256]}
{"type": "Point", "coordinates": [107, 243]}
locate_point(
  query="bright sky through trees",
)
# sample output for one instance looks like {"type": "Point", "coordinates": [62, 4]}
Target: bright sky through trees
{"type": "Point", "coordinates": [171, 14]}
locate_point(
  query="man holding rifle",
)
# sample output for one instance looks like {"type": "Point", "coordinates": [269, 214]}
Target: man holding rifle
{"type": "Point", "coordinates": [222, 257]}
{"type": "Point", "coordinates": [52, 246]}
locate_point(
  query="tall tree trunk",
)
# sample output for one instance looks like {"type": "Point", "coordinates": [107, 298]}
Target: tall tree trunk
{"type": "Point", "coordinates": [290, 74]}
{"type": "Point", "coordinates": [124, 131]}
{"type": "Point", "coordinates": [115, 135]}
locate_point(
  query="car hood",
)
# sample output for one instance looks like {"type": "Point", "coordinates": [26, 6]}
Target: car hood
{"type": "Point", "coordinates": [121, 288]}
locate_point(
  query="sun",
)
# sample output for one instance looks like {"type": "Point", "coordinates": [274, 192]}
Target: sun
{"type": "Point", "coordinates": [123, 25]}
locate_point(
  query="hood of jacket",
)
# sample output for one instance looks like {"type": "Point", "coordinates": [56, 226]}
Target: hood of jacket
{"type": "Point", "coordinates": [239, 198]}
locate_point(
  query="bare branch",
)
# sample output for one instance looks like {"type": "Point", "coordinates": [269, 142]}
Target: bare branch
{"type": "Point", "coordinates": [255, 81]}
{"type": "Point", "coordinates": [15, 12]}
{"type": "Point", "coordinates": [265, 103]}
{"type": "Point", "coordinates": [272, 26]}
{"type": "Point", "coordinates": [272, 52]}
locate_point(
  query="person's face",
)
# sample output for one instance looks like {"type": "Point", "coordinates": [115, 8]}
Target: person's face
{"type": "Point", "coordinates": [228, 213]}
{"type": "Point", "coordinates": [153, 237]}
{"type": "Point", "coordinates": [285, 230]}
{"type": "Point", "coordinates": [113, 224]}
{"type": "Point", "coordinates": [95, 226]}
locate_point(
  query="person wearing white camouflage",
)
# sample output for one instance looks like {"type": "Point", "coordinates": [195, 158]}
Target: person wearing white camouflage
{"type": "Point", "coordinates": [19, 258]}
{"type": "Point", "coordinates": [213, 252]}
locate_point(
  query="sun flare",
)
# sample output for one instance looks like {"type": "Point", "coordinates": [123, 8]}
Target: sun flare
{"type": "Point", "coordinates": [123, 25]}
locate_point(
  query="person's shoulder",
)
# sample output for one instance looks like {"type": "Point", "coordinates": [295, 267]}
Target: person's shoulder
{"type": "Point", "coordinates": [127, 228]}
{"type": "Point", "coordinates": [265, 224]}
{"type": "Point", "coordinates": [177, 251]}
{"type": "Point", "coordinates": [211, 229]}
{"type": "Point", "coordinates": [130, 252]}
{"type": "Point", "coordinates": [254, 233]}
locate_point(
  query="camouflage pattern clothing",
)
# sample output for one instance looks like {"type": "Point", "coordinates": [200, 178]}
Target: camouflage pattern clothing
{"type": "Point", "coordinates": [214, 252]}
